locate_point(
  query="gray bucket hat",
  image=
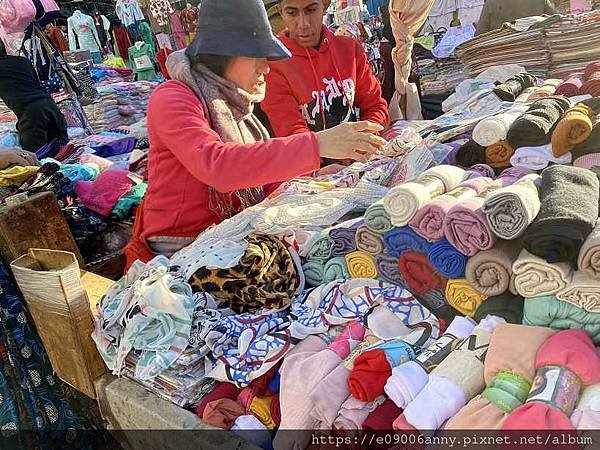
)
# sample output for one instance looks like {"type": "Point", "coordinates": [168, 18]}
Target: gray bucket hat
{"type": "Point", "coordinates": [236, 28]}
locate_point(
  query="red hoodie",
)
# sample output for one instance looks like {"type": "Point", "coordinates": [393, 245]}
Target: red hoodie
{"type": "Point", "coordinates": [315, 86]}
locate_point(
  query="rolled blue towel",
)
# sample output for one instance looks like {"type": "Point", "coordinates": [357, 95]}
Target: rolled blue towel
{"type": "Point", "coordinates": [447, 260]}
{"type": "Point", "coordinates": [404, 239]}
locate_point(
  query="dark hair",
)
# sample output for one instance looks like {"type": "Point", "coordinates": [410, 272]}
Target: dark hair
{"type": "Point", "coordinates": [2, 48]}
{"type": "Point", "coordinates": [216, 63]}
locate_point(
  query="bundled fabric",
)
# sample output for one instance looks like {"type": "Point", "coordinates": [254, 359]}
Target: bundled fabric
{"type": "Point", "coordinates": [591, 144]}
{"type": "Point", "coordinates": [566, 361]}
{"type": "Point", "coordinates": [453, 383]}
{"type": "Point", "coordinates": [513, 87]}
{"type": "Point", "coordinates": [499, 155]}
{"type": "Point", "coordinates": [494, 129]}
{"type": "Point", "coordinates": [571, 86]}
{"type": "Point", "coordinates": [572, 129]}
{"type": "Point", "coordinates": [569, 210]}
{"type": "Point", "coordinates": [490, 271]}
{"type": "Point", "coordinates": [533, 128]}
{"type": "Point", "coordinates": [264, 278]}
{"type": "Point", "coordinates": [222, 413]}
{"type": "Point", "coordinates": [418, 274]}
{"type": "Point", "coordinates": [547, 89]}
{"type": "Point", "coordinates": [448, 261]}
{"type": "Point", "coordinates": [344, 238]}
{"type": "Point", "coordinates": [382, 418]}
{"type": "Point", "coordinates": [335, 269]}
{"type": "Point", "coordinates": [588, 260]}
{"type": "Point", "coordinates": [401, 240]}
{"type": "Point", "coordinates": [314, 272]}
{"type": "Point", "coordinates": [361, 265]}
{"type": "Point", "coordinates": [408, 379]}
{"type": "Point", "coordinates": [321, 248]}
{"type": "Point", "coordinates": [102, 195]}
{"type": "Point", "coordinates": [403, 201]}
{"type": "Point", "coordinates": [463, 297]}
{"type": "Point", "coordinates": [372, 368]}
{"type": "Point", "coordinates": [583, 291]}
{"type": "Point", "coordinates": [509, 372]}
{"type": "Point", "coordinates": [388, 269]}
{"type": "Point", "coordinates": [589, 161]}
{"type": "Point", "coordinates": [508, 306]}
{"type": "Point", "coordinates": [354, 412]}
{"type": "Point", "coordinates": [538, 158]}
{"type": "Point", "coordinates": [511, 209]}
{"type": "Point", "coordinates": [548, 311]}
{"type": "Point", "coordinates": [377, 218]}
{"type": "Point", "coordinates": [429, 220]}
{"type": "Point", "coordinates": [221, 390]}
{"type": "Point", "coordinates": [535, 277]}
{"type": "Point", "coordinates": [369, 242]}
{"type": "Point", "coordinates": [470, 153]}
{"type": "Point", "coordinates": [586, 415]}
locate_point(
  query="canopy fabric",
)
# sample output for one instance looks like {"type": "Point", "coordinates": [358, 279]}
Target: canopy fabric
{"type": "Point", "coordinates": [406, 18]}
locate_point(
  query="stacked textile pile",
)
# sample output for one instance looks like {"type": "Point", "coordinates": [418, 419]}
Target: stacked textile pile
{"type": "Point", "coordinates": [119, 104]}
{"type": "Point", "coordinates": [440, 76]}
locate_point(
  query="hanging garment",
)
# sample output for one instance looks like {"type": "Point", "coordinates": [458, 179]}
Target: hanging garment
{"type": "Point", "coordinates": [82, 33]}
{"type": "Point", "coordinates": [163, 41]}
{"type": "Point", "coordinates": [103, 36]}
{"type": "Point", "coordinates": [178, 31]}
{"type": "Point", "coordinates": [161, 10]}
{"type": "Point", "coordinates": [129, 12]}
{"type": "Point", "coordinates": [57, 38]}
{"type": "Point", "coordinates": [146, 34]}
{"type": "Point", "coordinates": [122, 40]}
{"type": "Point", "coordinates": [161, 57]}
{"type": "Point", "coordinates": [189, 19]}
{"type": "Point", "coordinates": [142, 58]}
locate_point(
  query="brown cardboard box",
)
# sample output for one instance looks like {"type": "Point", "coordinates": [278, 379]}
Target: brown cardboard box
{"type": "Point", "coordinates": [62, 301]}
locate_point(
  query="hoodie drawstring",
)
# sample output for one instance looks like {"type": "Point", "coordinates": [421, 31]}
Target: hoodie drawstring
{"type": "Point", "coordinates": [319, 99]}
{"type": "Point", "coordinates": [337, 71]}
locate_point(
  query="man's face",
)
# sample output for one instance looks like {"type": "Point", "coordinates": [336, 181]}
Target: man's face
{"type": "Point", "coordinates": [304, 20]}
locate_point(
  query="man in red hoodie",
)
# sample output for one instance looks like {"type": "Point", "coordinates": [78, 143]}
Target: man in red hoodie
{"type": "Point", "coordinates": [327, 80]}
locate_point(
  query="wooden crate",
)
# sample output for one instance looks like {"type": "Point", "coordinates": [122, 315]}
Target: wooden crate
{"type": "Point", "coordinates": [35, 223]}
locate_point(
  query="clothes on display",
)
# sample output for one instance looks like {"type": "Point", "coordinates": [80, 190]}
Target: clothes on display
{"type": "Point", "coordinates": [129, 12]}
{"type": "Point", "coordinates": [162, 11]}
{"type": "Point", "coordinates": [141, 56]}
{"type": "Point", "coordinates": [83, 35]}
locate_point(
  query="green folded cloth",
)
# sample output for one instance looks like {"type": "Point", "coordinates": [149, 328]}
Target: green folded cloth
{"type": "Point", "coordinates": [124, 207]}
{"type": "Point", "coordinates": [506, 305]}
{"type": "Point", "coordinates": [377, 218]}
{"type": "Point", "coordinates": [314, 272]}
{"type": "Point", "coordinates": [558, 315]}
{"type": "Point", "coordinates": [336, 269]}
{"type": "Point", "coordinates": [321, 249]}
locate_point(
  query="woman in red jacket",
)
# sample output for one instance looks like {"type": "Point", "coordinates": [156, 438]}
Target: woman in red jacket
{"type": "Point", "coordinates": [209, 156]}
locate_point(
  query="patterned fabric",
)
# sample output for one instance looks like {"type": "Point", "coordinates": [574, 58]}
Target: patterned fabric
{"type": "Point", "coordinates": [161, 10]}
{"type": "Point", "coordinates": [189, 19]}
{"type": "Point", "coordinates": [265, 277]}
{"type": "Point", "coordinates": [245, 346]}
{"type": "Point", "coordinates": [30, 396]}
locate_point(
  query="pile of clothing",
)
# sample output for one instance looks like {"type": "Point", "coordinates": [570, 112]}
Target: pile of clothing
{"type": "Point", "coordinates": [440, 76]}
{"type": "Point", "coordinates": [425, 289]}
{"type": "Point", "coordinates": [122, 103]}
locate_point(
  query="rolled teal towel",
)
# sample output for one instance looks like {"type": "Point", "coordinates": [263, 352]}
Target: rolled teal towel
{"type": "Point", "coordinates": [335, 269]}
{"type": "Point", "coordinates": [321, 249]}
{"type": "Point", "coordinates": [377, 219]}
{"type": "Point", "coordinates": [553, 313]}
{"type": "Point", "coordinates": [314, 272]}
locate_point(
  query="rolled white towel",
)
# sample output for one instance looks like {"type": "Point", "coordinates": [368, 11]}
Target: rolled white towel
{"type": "Point", "coordinates": [494, 129]}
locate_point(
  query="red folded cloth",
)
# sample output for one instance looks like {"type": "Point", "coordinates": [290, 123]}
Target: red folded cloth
{"type": "Point", "coordinates": [383, 417]}
{"type": "Point", "coordinates": [276, 410]}
{"type": "Point", "coordinates": [222, 413]}
{"type": "Point", "coordinates": [420, 277]}
{"type": "Point", "coordinates": [591, 69]}
{"type": "Point", "coordinates": [102, 195]}
{"type": "Point", "coordinates": [565, 363]}
{"type": "Point", "coordinates": [571, 87]}
{"type": "Point", "coordinates": [260, 386]}
{"type": "Point", "coordinates": [368, 377]}
{"type": "Point", "coordinates": [221, 390]}
{"type": "Point", "coordinates": [245, 399]}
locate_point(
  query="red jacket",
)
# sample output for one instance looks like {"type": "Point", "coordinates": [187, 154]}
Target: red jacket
{"type": "Point", "coordinates": [307, 90]}
{"type": "Point", "coordinates": [186, 156]}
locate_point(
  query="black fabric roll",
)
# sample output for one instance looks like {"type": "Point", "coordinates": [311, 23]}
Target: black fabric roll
{"type": "Point", "coordinates": [569, 197]}
{"type": "Point", "coordinates": [535, 127]}
{"type": "Point", "coordinates": [513, 87]}
{"type": "Point", "coordinates": [508, 306]}
{"type": "Point", "coordinates": [470, 153]}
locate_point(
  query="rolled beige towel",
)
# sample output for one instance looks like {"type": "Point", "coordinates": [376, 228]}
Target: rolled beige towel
{"type": "Point", "coordinates": [490, 271]}
{"type": "Point", "coordinates": [589, 254]}
{"type": "Point", "coordinates": [403, 201]}
{"type": "Point", "coordinates": [535, 277]}
{"type": "Point", "coordinates": [583, 291]}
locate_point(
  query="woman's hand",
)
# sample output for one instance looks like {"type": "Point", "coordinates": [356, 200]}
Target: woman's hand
{"type": "Point", "coordinates": [355, 141]}
{"type": "Point", "coordinates": [11, 156]}
{"type": "Point", "coordinates": [330, 170]}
